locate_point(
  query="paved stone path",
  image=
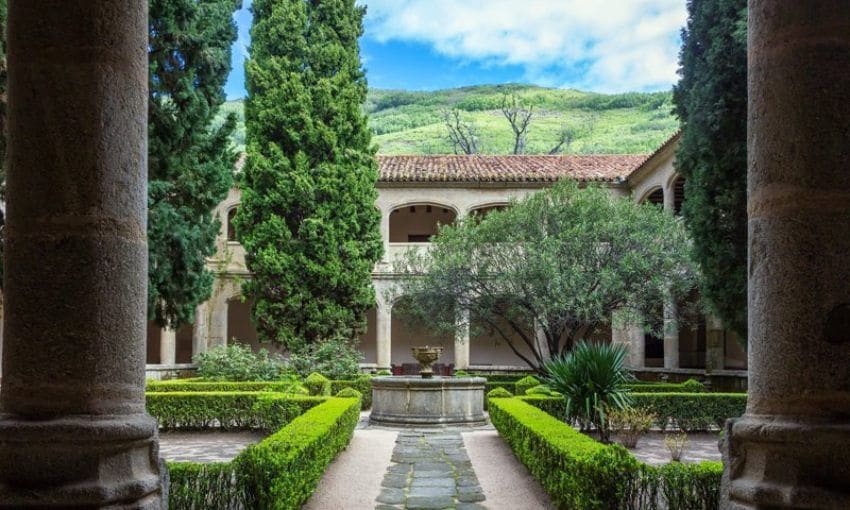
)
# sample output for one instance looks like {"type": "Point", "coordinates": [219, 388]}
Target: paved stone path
{"type": "Point", "coordinates": [205, 446]}
{"type": "Point", "coordinates": [430, 471]}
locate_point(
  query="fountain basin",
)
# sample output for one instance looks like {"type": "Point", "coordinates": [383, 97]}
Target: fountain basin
{"type": "Point", "coordinates": [410, 401]}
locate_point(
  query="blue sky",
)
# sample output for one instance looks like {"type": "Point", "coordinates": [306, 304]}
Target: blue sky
{"type": "Point", "coordinates": [599, 45]}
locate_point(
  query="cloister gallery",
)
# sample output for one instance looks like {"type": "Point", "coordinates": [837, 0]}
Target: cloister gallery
{"type": "Point", "coordinates": [73, 430]}
{"type": "Point", "coordinates": [416, 194]}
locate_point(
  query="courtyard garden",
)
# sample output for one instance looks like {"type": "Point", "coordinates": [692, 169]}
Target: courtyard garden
{"type": "Point", "coordinates": [293, 441]}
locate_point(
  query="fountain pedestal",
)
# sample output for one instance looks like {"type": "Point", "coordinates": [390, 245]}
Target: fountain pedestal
{"type": "Point", "coordinates": [417, 402]}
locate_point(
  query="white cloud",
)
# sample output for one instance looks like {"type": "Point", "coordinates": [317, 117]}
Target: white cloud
{"type": "Point", "coordinates": [606, 45]}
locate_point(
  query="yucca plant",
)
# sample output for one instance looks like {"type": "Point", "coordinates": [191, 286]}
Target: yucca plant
{"type": "Point", "coordinates": [592, 377]}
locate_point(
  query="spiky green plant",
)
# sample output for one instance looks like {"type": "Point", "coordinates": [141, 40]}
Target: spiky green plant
{"type": "Point", "coordinates": [592, 377]}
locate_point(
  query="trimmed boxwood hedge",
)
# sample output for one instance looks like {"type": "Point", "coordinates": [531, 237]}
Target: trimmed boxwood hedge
{"type": "Point", "coordinates": [184, 385]}
{"type": "Point", "coordinates": [226, 410]}
{"type": "Point", "coordinates": [279, 473]}
{"type": "Point", "coordinates": [689, 386]}
{"type": "Point", "coordinates": [580, 473]}
{"type": "Point", "coordinates": [692, 411]}
{"type": "Point", "coordinates": [282, 471]}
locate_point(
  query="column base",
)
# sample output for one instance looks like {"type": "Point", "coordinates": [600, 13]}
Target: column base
{"type": "Point", "coordinates": [81, 462]}
{"type": "Point", "coordinates": [785, 462]}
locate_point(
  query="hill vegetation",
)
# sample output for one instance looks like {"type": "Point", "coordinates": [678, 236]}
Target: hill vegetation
{"type": "Point", "coordinates": [411, 122]}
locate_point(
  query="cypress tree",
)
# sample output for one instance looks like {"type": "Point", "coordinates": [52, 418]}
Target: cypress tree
{"type": "Point", "coordinates": [711, 102]}
{"type": "Point", "coordinates": [190, 167]}
{"type": "Point", "coordinates": [307, 220]}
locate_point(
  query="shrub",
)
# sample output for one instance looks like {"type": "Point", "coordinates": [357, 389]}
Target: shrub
{"type": "Point", "coordinates": [335, 358]}
{"type": "Point", "coordinates": [525, 384]}
{"type": "Point", "coordinates": [282, 471]}
{"type": "Point", "coordinates": [692, 411]}
{"type": "Point", "coordinates": [510, 386]}
{"type": "Point", "coordinates": [199, 486]}
{"type": "Point", "coordinates": [384, 372]}
{"type": "Point", "coordinates": [540, 389]}
{"type": "Point", "coordinates": [592, 378]}
{"type": "Point", "coordinates": [630, 425]}
{"type": "Point", "coordinates": [318, 385]}
{"type": "Point", "coordinates": [362, 383]}
{"type": "Point", "coordinates": [226, 410]}
{"type": "Point", "coordinates": [580, 473]}
{"type": "Point", "coordinates": [499, 393]}
{"type": "Point", "coordinates": [348, 393]}
{"type": "Point", "coordinates": [237, 362]}
{"type": "Point", "coordinates": [462, 373]}
{"type": "Point", "coordinates": [676, 444]}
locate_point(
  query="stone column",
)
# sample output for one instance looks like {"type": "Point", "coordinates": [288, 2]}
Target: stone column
{"type": "Point", "coordinates": [167, 346]}
{"type": "Point", "coordinates": [624, 331]}
{"type": "Point", "coordinates": [218, 321]}
{"type": "Point", "coordinates": [714, 344]}
{"type": "Point", "coordinates": [73, 428]}
{"type": "Point", "coordinates": [200, 330]}
{"type": "Point", "coordinates": [462, 342]}
{"type": "Point", "coordinates": [383, 336]}
{"type": "Point", "coordinates": [790, 450]}
{"type": "Point", "coordinates": [671, 336]}
{"type": "Point", "coordinates": [670, 197]}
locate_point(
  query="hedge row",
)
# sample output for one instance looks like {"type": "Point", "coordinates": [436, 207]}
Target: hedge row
{"type": "Point", "coordinates": [692, 411]}
{"type": "Point", "coordinates": [185, 385]}
{"type": "Point", "coordinates": [226, 410]}
{"type": "Point", "coordinates": [579, 472]}
{"type": "Point", "coordinates": [279, 473]}
{"type": "Point", "coordinates": [689, 386]}
{"type": "Point", "coordinates": [361, 384]}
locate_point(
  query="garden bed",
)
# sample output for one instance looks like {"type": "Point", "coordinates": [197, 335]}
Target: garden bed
{"type": "Point", "coordinates": [281, 471]}
{"type": "Point", "coordinates": [580, 473]}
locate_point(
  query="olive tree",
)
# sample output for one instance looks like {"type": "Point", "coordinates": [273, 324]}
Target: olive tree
{"type": "Point", "coordinates": [548, 271]}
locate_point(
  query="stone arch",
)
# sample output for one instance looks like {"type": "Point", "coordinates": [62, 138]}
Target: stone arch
{"type": "Point", "coordinates": [654, 195]}
{"type": "Point", "coordinates": [416, 221]}
{"type": "Point", "coordinates": [485, 208]}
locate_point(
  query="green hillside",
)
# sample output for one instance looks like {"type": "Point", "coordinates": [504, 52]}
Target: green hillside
{"type": "Point", "coordinates": [411, 123]}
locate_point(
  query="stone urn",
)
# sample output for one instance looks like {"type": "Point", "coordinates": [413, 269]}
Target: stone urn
{"type": "Point", "coordinates": [426, 356]}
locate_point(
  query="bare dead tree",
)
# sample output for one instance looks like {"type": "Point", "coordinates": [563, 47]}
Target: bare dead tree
{"type": "Point", "coordinates": [519, 117]}
{"type": "Point", "coordinates": [462, 134]}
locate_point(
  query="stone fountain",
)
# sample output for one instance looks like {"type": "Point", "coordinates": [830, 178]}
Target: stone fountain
{"type": "Point", "coordinates": [427, 400]}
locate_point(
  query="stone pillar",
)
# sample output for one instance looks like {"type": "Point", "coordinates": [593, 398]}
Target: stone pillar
{"type": "Point", "coordinates": [200, 330]}
{"type": "Point", "coordinates": [167, 346]}
{"type": "Point", "coordinates": [217, 321]}
{"type": "Point", "coordinates": [670, 197]}
{"type": "Point", "coordinates": [462, 342]}
{"type": "Point", "coordinates": [625, 331]}
{"type": "Point", "coordinates": [790, 449]}
{"type": "Point", "coordinates": [671, 336]}
{"type": "Point", "coordinates": [73, 428]}
{"type": "Point", "coordinates": [383, 336]}
{"type": "Point", "coordinates": [714, 344]}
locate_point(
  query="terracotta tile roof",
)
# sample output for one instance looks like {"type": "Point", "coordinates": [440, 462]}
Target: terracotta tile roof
{"type": "Point", "coordinates": [463, 168]}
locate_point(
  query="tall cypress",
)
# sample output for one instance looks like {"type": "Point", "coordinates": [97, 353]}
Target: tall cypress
{"type": "Point", "coordinates": [711, 102]}
{"type": "Point", "coordinates": [190, 166]}
{"type": "Point", "coordinates": [308, 220]}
